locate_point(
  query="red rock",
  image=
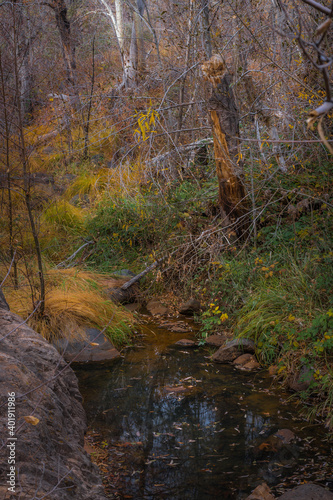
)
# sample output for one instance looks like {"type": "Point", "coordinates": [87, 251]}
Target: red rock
{"type": "Point", "coordinates": [216, 340]}
{"type": "Point", "coordinates": [243, 359]}
{"type": "Point", "coordinates": [232, 349]}
{"type": "Point", "coordinates": [262, 492]}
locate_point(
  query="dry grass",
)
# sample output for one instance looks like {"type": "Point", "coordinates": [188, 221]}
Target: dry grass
{"type": "Point", "coordinates": [74, 300]}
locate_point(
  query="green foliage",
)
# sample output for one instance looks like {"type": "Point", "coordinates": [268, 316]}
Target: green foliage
{"type": "Point", "coordinates": [211, 319]}
{"type": "Point", "coordinates": [128, 227]}
{"type": "Point", "coordinates": [320, 333]}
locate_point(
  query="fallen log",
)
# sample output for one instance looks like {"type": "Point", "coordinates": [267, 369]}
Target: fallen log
{"type": "Point", "coordinates": [126, 292]}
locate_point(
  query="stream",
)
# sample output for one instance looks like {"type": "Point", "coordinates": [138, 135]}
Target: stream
{"type": "Point", "coordinates": [174, 425]}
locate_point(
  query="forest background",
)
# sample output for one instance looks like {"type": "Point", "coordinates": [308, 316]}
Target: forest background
{"type": "Point", "coordinates": [195, 134]}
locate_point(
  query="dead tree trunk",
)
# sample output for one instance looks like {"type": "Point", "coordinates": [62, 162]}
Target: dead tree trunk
{"type": "Point", "coordinates": [225, 123]}
{"type": "Point", "coordinates": [67, 45]}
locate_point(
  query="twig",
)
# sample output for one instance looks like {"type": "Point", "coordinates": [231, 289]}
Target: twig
{"type": "Point", "coordinates": [11, 264]}
{"type": "Point", "coordinates": [140, 275]}
{"type": "Point", "coordinates": [74, 254]}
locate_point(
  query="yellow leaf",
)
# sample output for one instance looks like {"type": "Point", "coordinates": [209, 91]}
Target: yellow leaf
{"type": "Point", "coordinates": [93, 343]}
{"type": "Point", "coordinates": [31, 420]}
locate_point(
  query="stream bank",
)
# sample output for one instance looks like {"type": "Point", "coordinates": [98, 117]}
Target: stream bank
{"type": "Point", "coordinates": [165, 422]}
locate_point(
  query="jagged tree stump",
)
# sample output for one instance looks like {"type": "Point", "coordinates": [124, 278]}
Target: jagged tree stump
{"type": "Point", "coordinates": [225, 123]}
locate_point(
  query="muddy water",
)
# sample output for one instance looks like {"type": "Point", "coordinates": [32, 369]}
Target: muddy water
{"type": "Point", "coordinates": [184, 428]}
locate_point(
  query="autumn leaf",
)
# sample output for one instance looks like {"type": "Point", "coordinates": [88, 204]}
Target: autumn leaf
{"type": "Point", "coordinates": [31, 420]}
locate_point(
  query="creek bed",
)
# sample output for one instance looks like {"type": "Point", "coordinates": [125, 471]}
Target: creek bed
{"type": "Point", "coordinates": [176, 426]}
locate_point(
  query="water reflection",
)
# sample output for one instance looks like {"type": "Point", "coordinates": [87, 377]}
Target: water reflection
{"type": "Point", "coordinates": [196, 430]}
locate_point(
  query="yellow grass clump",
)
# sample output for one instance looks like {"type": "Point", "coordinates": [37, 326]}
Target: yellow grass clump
{"type": "Point", "coordinates": [74, 300]}
{"type": "Point", "coordinates": [65, 215]}
{"type": "Point", "coordinates": [88, 184]}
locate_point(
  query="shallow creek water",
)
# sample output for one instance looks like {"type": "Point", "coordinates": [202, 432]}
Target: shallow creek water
{"type": "Point", "coordinates": [186, 428]}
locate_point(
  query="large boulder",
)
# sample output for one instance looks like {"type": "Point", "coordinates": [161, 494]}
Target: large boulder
{"type": "Point", "coordinates": [307, 492]}
{"type": "Point", "coordinates": [232, 350]}
{"type": "Point", "coordinates": [96, 348]}
{"type": "Point", "coordinates": [46, 448]}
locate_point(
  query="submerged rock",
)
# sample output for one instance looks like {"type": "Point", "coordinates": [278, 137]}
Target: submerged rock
{"type": "Point", "coordinates": [232, 350]}
{"type": "Point", "coordinates": [190, 307]}
{"type": "Point", "coordinates": [307, 492]}
{"type": "Point", "coordinates": [175, 326]}
{"type": "Point", "coordinates": [50, 461]}
{"type": "Point", "coordinates": [95, 349]}
{"type": "Point", "coordinates": [286, 435]}
{"type": "Point", "coordinates": [186, 343]}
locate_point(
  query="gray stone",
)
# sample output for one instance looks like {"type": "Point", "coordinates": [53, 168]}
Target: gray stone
{"type": "Point", "coordinates": [50, 459]}
{"type": "Point", "coordinates": [307, 492]}
{"type": "Point", "coordinates": [190, 307]}
{"type": "Point", "coordinates": [232, 350]}
{"type": "Point", "coordinates": [95, 349]}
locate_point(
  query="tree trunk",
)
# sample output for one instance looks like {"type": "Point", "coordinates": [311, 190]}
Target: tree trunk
{"type": "Point", "coordinates": [67, 46]}
{"type": "Point", "coordinates": [225, 122]}
{"type": "Point", "coordinates": [205, 29]}
{"type": "Point", "coordinates": [131, 62]}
